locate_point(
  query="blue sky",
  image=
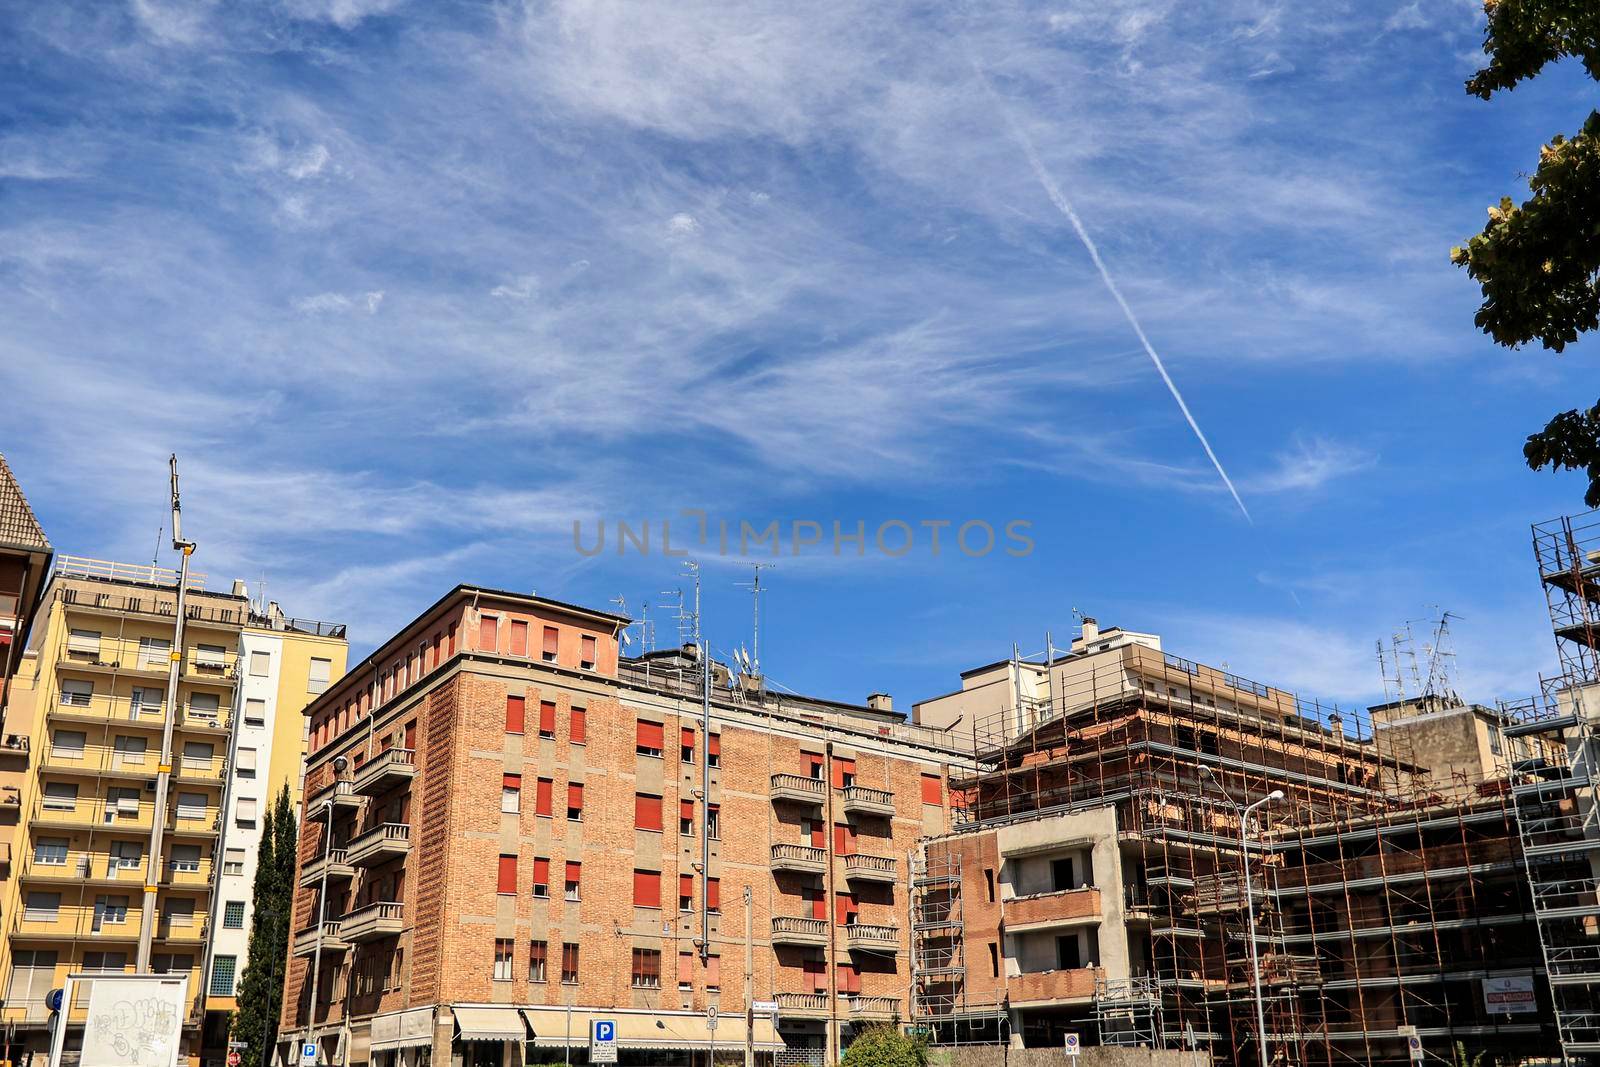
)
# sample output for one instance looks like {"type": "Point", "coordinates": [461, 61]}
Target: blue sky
{"type": "Point", "coordinates": [412, 286]}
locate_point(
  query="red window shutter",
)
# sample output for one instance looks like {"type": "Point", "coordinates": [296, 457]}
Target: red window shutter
{"type": "Point", "coordinates": [650, 735]}
{"type": "Point", "coordinates": [411, 735]}
{"type": "Point", "coordinates": [816, 974]}
{"type": "Point", "coordinates": [844, 840]}
{"type": "Point", "coordinates": [685, 885]}
{"type": "Point", "coordinates": [488, 633]}
{"type": "Point", "coordinates": [580, 726]}
{"type": "Point", "coordinates": [813, 765]}
{"type": "Point", "coordinates": [841, 767]}
{"type": "Point", "coordinates": [686, 810]}
{"type": "Point", "coordinates": [713, 972]}
{"type": "Point", "coordinates": [931, 793]}
{"type": "Point", "coordinates": [646, 812]}
{"type": "Point", "coordinates": [552, 640]}
{"type": "Point", "coordinates": [516, 713]}
{"type": "Point", "coordinates": [816, 833]}
{"type": "Point", "coordinates": [647, 889]}
{"type": "Point", "coordinates": [575, 795]}
{"type": "Point", "coordinates": [849, 979]}
{"type": "Point", "coordinates": [843, 906]}
{"type": "Point", "coordinates": [508, 874]}
{"type": "Point", "coordinates": [547, 717]}
{"type": "Point", "coordinates": [590, 648]}
{"type": "Point", "coordinates": [574, 872]}
{"type": "Point", "coordinates": [541, 797]}
{"type": "Point", "coordinates": [714, 745]}
{"type": "Point", "coordinates": [519, 638]}
{"type": "Point", "coordinates": [511, 781]}
{"type": "Point", "coordinates": [450, 641]}
{"type": "Point", "coordinates": [686, 968]}
{"type": "Point", "coordinates": [819, 904]}
{"type": "Point", "coordinates": [541, 872]}
{"type": "Point", "coordinates": [686, 737]}
{"type": "Point", "coordinates": [714, 894]}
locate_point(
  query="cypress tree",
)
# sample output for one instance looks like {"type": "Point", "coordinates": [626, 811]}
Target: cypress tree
{"type": "Point", "coordinates": [260, 992]}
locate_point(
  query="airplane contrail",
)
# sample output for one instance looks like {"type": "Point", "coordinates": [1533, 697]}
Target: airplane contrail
{"type": "Point", "coordinates": [1059, 199]}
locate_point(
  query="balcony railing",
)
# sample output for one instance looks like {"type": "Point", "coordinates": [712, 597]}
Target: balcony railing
{"type": "Point", "coordinates": [1075, 984]}
{"type": "Point", "coordinates": [874, 1007]}
{"type": "Point", "coordinates": [799, 789]}
{"type": "Point", "coordinates": [800, 858]}
{"type": "Point", "coordinates": [1042, 911]}
{"type": "Point", "coordinates": [123, 711]}
{"type": "Point", "coordinates": [372, 922]}
{"type": "Point", "coordinates": [862, 800]}
{"type": "Point", "coordinates": [802, 1005]}
{"type": "Point", "coordinates": [146, 573]}
{"type": "Point", "coordinates": [305, 941]}
{"type": "Point", "coordinates": [337, 862]}
{"type": "Point", "coordinates": [794, 930]}
{"type": "Point", "coordinates": [341, 792]}
{"type": "Point", "coordinates": [861, 867]}
{"type": "Point", "coordinates": [382, 842]}
{"type": "Point", "coordinates": [872, 937]}
{"type": "Point", "coordinates": [387, 769]}
{"type": "Point", "coordinates": [111, 762]}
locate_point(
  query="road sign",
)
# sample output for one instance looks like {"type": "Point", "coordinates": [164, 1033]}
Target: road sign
{"type": "Point", "coordinates": [603, 1041]}
{"type": "Point", "coordinates": [1070, 1040]}
{"type": "Point", "coordinates": [308, 1054]}
{"type": "Point", "coordinates": [764, 1005]}
{"type": "Point", "coordinates": [711, 1018]}
{"type": "Point", "coordinates": [239, 1044]}
{"type": "Point", "coordinates": [52, 1000]}
{"type": "Point", "coordinates": [234, 1059]}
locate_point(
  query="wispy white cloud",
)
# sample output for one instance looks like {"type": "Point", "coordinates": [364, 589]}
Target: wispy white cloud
{"type": "Point", "coordinates": [324, 303]}
{"type": "Point", "coordinates": [1311, 464]}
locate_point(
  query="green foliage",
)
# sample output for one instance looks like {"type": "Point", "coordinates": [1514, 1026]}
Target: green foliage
{"type": "Point", "coordinates": [885, 1046]}
{"type": "Point", "coordinates": [260, 989]}
{"type": "Point", "coordinates": [1538, 262]}
{"type": "Point", "coordinates": [1459, 1057]}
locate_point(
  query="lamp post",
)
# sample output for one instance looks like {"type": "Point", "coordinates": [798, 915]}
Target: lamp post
{"type": "Point", "coordinates": [1250, 916]}
{"type": "Point", "coordinates": [322, 894]}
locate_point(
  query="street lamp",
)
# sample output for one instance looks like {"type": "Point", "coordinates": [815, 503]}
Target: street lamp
{"type": "Point", "coordinates": [1250, 916]}
{"type": "Point", "coordinates": [339, 763]}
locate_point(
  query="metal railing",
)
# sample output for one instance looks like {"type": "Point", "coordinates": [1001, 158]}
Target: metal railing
{"type": "Point", "coordinates": [147, 573]}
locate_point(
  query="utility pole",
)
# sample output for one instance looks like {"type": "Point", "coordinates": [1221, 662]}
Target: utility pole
{"type": "Point", "coordinates": [705, 769]}
{"type": "Point", "coordinates": [158, 823]}
{"type": "Point", "coordinates": [749, 985]}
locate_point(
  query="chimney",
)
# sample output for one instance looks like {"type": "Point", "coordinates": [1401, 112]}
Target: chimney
{"type": "Point", "coordinates": [1091, 630]}
{"type": "Point", "coordinates": [239, 587]}
{"type": "Point", "coordinates": [1336, 724]}
{"type": "Point", "coordinates": [880, 702]}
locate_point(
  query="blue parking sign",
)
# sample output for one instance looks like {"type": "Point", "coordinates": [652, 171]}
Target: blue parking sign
{"type": "Point", "coordinates": [605, 1030]}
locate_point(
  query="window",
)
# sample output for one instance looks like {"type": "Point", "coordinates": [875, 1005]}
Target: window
{"type": "Point", "coordinates": [516, 714]}
{"type": "Point", "coordinates": [569, 964]}
{"type": "Point", "coordinates": [171, 963]}
{"type": "Point", "coordinates": [541, 797]}
{"type": "Point", "coordinates": [502, 959]}
{"type": "Point", "coordinates": [931, 793]}
{"type": "Point", "coordinates": [994, 959]}
{"type": "Point", "coordinates": [519, 637]}
{"type": "Point", "coordinates": [255, 711]}
{"type": "Point", "coordinates": [50, 852]}
{"type": "Point", "coordinates": [844, 839]}
{"type": "Point", "coordinates": [110, 911]}
{"type": "Point", "coordinates": [685, 971]}
{"type": "Point", "coordinates": [686, 746]}
{"type": "Point", "coordinates": [1068, 958]}
{"type": "Point", "coordinates": [233, 915]}
{"type": "Point", "coordinates": [197, 756]}
{"type": "Point", "coordinates": [183, 859]}
{"type": "Point", "coordinates": [552, 643]}
{"type": "Point", "coordinates": [129, 751]}
{"type": "Point", "coordinates": [813, 896]}
{"type": "Point", "coordinates": [714, 750]}
{"type": "Point", "coordinates": [541, 877]}
{"type": "Point", "coordinates": [145, 700]}
{"type": "Point", "coordinates": [511, 793]}
{"type": "Point", "coordinates": [847, 979]}
{"type": "Point", "coordinates": [508, 874]}
{"type": "Point", "coordinates": [105, 962]}
{"type": "Point", "coordinates": [686, 817]}
{"type": "Point", "coordinates": [156, 652]}
{"type": "Point", "coordinates": [222, 969]}
{"type": "Point", "coordinates": [844, 773]}
{"type": "Point", "coordinates": [191, 805]}
{"type": "Point", "coordinates": [646, 812]}
{"type": "Point", "coordinates": [211, 656]}
{"type": "Point", "coordinates": [537, 951]}
{"type": "Point", "coordinates": [128, 855]}
{"type": "Point", "coordinates": [815, 974]}
{"type": "Point", "coordinates": [488, 633]}
{"type": "Point", "coordinates": [646, 968]}
{"type": "Point", "coordinates": [813, 765]}
{"type": "Point", "coordinates": [204, 707]}
{"type": "Point", "coordinates": [178, 913]}
{"type": "Point", "coordinates": [685, 892]}
{"type": "Point", "coordinates": [244, 811]}
{"type": "Point", "coordinates": [845, 909]}
{"type": "Point", "coordinates": [1061, 874]}
{"type": "Point", "coordinates": [321, 674]}
{"type": "Point", "coordinates": [713, 822]}
{"type": "Point", "coordinates": [579, 727]}
{"type": "Point", "coordinates": [260, 664]}
{"type": "Point", "coordinates": [84, 642]}
{"type": "Point", "coordinates": [647, 889]}
{"type": "Point", "coordinates": [988, 883]}
{"type": "Point", "coordinates": [714, 895]}
{"type": "Point", "coordinates": [574, 879]}
{"type": "Point", "coordinates": [713, 972]}
{"type": "Point", "coordinates": [60, 796]}
{"type": "Point", "coordinates": [33, 974]}
{"type": "Point", "coordinates": [574, 801]}
{"type": "Point", "coordinates": [67, 744]}
{"type": "Point", "coordinates": [233, 861]}
{"type": "Point", "coordinates": [588, 656]}
{"type": "Point", "coordinates": [76, 693]}
{"type": "Point", "coordinates": [41, 907]}
{"type": "Point", "coordinates": [547, 718]}
{"type": "Point", "coordinates": [244, 765]}
{"type": "Point", "coordinates": [648, 738]}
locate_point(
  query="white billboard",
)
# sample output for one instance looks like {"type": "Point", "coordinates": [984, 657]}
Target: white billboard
{"type": "Point", "coordinates": [134, 1020]}
{"type": "Point", "coordinates": [1509, 996]}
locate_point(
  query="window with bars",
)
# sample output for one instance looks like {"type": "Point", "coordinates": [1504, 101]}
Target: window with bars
{"type": "Point", "coordinates": [222, 969]}
{"type": "Point", "coordinates": [646, 968]}
{"type": "Point", "coordinates": [233, 915]}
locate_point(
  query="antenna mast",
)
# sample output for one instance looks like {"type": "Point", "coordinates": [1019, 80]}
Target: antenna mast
{"type": "Point", "coordinates": [754, 585]}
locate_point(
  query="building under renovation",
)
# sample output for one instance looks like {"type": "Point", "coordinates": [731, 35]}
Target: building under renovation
{"type": "Point", "coordinates": [1105, 878]}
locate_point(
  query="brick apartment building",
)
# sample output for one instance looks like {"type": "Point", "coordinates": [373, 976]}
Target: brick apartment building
{"type": "Point", "coordinates": [503, 834]}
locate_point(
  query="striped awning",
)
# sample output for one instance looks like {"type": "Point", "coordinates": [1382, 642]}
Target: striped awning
{"type": "Point", "coordinates": [490, 1024]}
{"type": "Point", "coordinates": [647, 1030]}
{"type": "Point", "coordinates": [402, 1029]}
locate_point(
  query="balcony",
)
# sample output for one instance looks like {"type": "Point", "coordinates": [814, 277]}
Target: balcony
{"type": "Point", "coordinates": [792, 930]}
{"type": "Point", "coordinates": [340, 794]}
{"type": "Point", "coordinates": [869, 937]}
{"type": "Point", "coordinates": [383, 842]}
{"type": "Point", "coordinates": [371, 923]}
{"type": "Point", "coordinates": [803, 1005]}
{"type": "Point", "coordinates": [874, 1009]}
{"type": "Point", "coordinates": [336, 862]}
{"type": "Point", "coordinates": [1046, 911]}
{"type": "Point", "coordinates": [1035, 987]}
{"type": "Point", "coordinates": [14, 749]}
{"type": "Point", "coordinates": [10, 799]}
{"type": "Point", "coordinates": [861, 867]}
{"type": "Point", "coordinates": [801, 859]}
{"type": "Point", "coordinates": [859, 800]}
{"type": "Point", "coordinates": [798, 789]}
{"type": "Point", "coordinates": [305, 942]}
{"type": "Point", "coordinates": [389, 768]}
{"type": "Point", "coordinates": [120, 711]}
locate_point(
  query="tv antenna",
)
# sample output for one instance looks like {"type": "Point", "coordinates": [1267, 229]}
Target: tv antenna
{"type": "Point", "coordinates": [754, 585]}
